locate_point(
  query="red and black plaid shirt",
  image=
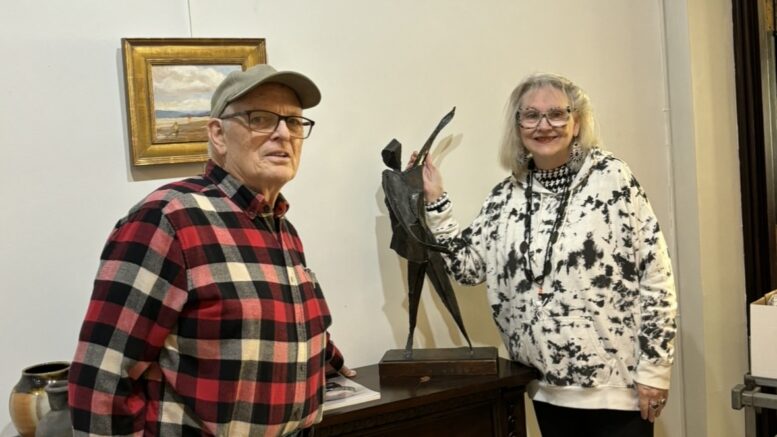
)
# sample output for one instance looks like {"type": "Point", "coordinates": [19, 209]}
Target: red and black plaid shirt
{"type": "Point", "coordinates": [204, 320]}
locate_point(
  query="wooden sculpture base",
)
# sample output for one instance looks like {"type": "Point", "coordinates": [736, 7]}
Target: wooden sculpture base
{"type": "Point", "coordinates": [448, 361]}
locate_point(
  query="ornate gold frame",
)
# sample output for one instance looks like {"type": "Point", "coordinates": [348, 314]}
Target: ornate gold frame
{"type": "Point", "coordinates": [140, 54]}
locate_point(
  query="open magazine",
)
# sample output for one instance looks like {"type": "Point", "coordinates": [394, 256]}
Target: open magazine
{"type": "Point", "coordinates": [342, 392]}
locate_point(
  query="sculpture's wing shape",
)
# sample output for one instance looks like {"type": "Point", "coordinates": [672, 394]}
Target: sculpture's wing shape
{"type": "Point", "coordinates": [419, 161]}
{"type": "Point", "coordinates": [404, 219]}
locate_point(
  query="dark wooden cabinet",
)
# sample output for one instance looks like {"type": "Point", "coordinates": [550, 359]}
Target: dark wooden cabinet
{"type": "Point", "coordinates": [435, 406]}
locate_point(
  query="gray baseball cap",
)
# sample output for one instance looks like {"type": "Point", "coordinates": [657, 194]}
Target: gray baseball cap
{"type": "Point", "coordinates": [239, 83]}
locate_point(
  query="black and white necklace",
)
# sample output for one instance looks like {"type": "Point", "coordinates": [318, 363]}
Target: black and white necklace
{"type": "Point", "coordinates": [526, 244]}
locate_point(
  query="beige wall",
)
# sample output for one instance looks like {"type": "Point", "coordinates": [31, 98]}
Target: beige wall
{"type": "Point", "coordinates": [388, 69]}
{"type": "Point", "coordinates": [709, 237]}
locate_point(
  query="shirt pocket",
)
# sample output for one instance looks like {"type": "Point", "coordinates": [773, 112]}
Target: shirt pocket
{"type": "Point", "coordinates": [569, 352]}
{"type": "Point", "coordinates": [316, 307]}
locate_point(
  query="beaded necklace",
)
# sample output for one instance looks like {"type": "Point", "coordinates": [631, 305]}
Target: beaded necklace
{"type": "Point", "coordinates": [526, 244]}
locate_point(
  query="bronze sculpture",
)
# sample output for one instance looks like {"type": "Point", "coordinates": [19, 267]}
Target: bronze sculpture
{"type": "Point", "coordinates": [411, 239]}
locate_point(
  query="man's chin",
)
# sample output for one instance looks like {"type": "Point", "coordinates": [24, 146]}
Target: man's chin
{"type": "Point", "coordinates": [279, 177]}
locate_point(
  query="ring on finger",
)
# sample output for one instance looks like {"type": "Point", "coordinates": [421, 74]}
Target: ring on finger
{"type": "Point", "coordinates": [657, 403]}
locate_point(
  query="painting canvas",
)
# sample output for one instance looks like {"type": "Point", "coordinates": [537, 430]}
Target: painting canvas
{"type": "Point", "coordinates": [182, 100]}
{"type": "Point", "coordinates": [169, 82]}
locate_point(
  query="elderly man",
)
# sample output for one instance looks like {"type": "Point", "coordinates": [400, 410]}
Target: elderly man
{"type": "Point", "coordinates": [204, 319]}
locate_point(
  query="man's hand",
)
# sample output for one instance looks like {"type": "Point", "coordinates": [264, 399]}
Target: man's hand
{"type": "Point", "coordinates": [345, 371]}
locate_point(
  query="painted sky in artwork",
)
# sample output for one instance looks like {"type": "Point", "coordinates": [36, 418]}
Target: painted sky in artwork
{"type": "Point", "coordinates": [186, 88]}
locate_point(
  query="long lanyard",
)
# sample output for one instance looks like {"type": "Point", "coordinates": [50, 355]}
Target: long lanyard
{"type": "Point", "coordinates": [526, 245]}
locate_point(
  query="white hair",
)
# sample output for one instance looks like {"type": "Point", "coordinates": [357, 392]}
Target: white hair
{"type": "Point", "coordinates": [513, 153]}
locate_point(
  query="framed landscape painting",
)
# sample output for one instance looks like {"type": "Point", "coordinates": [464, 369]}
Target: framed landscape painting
{"type": "Point", "coordinates": [169, 83]}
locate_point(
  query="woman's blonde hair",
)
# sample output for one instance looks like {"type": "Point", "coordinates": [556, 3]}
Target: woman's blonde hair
{"type": "Point", "coordinates": [513, 155]}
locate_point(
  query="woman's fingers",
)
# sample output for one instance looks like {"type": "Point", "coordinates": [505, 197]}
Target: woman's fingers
{"type": "Point", "coordinates": [432, 178]}
{"type": "Point", "coordinates": [410, 163]}
{"type": "Point", "coordinates": [651, 401]}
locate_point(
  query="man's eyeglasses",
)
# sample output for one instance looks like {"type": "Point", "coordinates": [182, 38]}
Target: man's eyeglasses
{"type": "Point", "coordinates": [267, 122]}
{"type": "Point", "coordinates": [531, 118]}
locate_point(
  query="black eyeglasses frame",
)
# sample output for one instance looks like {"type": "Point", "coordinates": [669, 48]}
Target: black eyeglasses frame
{"type": "Point", "coordinates": [280, 118]}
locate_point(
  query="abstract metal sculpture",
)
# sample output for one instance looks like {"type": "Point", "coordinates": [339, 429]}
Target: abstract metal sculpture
{"type": "Point", "coordinates": [411, 238]}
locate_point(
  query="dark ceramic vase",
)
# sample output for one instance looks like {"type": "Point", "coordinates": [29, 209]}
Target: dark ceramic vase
{"type": "Point", "coordinates": [29, 401]}
{"type": "Point", "coordinates": [56, 423]}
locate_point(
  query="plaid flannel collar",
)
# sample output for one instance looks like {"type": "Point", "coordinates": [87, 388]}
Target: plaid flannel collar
{"type": "Point", "coordinates": [252, 203]}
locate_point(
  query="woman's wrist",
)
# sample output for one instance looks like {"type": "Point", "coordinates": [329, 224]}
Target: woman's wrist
{"type": "Point", "coordinates": [433, 196]}
{"type": "Point", "coordinates": [438, 204]}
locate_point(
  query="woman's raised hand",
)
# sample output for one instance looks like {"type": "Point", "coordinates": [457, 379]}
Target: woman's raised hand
{"type": "Point", "coordinates": [432, 178]}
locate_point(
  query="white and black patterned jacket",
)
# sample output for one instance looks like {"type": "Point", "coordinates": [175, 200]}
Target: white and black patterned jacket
{"type": "Point", "coordinates": [606, 314]}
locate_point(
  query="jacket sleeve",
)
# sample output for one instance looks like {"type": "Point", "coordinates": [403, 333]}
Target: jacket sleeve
{"type": "Point", "coordinates": [657, 299]}
{"type": "Point", "coordinates": [139, 291]}
{"type": "Point", "coordinates": [466, 262]}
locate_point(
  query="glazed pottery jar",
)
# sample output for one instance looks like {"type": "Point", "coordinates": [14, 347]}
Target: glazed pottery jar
{"type": "Point", "coordinates": [56, 423]}
{"type": "Point", "coordinates": [29, 401]}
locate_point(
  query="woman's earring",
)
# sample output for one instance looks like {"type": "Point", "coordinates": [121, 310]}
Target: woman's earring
{"type": "Point", "coordinates": [522, 158]}
{"type": "Point", "coordinates": [576, 156]}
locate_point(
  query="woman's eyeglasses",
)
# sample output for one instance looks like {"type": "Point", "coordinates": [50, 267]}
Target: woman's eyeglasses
{"type": "Point", "coordinates": [530, 118]}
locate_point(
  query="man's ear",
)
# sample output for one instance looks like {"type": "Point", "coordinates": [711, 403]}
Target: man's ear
{"type": "Point", "coordinates": [216, 136]}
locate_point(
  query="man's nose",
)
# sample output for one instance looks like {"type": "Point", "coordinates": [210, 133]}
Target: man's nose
{"type": "Point", "coordinates": [282, 130]}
